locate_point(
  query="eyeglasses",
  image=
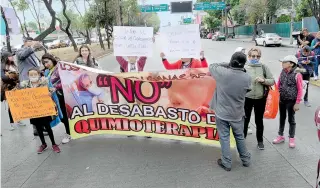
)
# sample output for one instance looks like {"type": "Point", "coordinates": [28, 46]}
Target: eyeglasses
{"type": "Point", "coordinates": [255, 56]}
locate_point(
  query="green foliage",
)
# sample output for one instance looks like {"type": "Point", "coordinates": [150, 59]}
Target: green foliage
{"type": "Point", "coordinates": [255, 10]}
{"type": "Point", "coordinates": [33, 26]}
{"type": "Point", "coordinates": [283, 19]}
{"type": "Point", "coordinates": [212, 22]}
{"type": "Point", "coordinates": [76, 20]}
{"type": "Point", "coordinates": [303, 10]}
{"type": "Point", "coordinates": [22, 5]}
{"type": "Point", "coordinates": [238, 15]}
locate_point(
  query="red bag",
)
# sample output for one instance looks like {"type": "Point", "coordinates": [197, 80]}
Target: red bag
{"type": "Point", "coordinates": [272, 105]}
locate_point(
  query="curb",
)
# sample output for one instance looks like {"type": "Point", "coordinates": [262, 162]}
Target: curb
{"type": "Point", "coordinates": [110, 52]}
{"type": "Point", "coordinates": [315, 83]}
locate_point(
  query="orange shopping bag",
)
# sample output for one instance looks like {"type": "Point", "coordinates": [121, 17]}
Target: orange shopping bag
{"type": "Point", "coordinates": [272, 105]}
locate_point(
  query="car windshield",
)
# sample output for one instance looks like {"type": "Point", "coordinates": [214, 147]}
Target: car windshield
{"type": "Point", "coordinates": [272, 35]}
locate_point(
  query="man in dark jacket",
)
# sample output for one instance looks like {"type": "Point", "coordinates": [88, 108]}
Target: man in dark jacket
{"type": "Point", "coordinates": [27, 58]}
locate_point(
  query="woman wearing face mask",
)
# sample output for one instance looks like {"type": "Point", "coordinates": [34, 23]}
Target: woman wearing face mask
{"type": "Point", "coordinates": [132, 65]}
{"type": "Point", "coordinates": [10, 79]}
{"type": "Point", "coordinates": [261, 79]}
{"type": "Point", "coordinates": [185, 63]}
{"type": "Point", "coordinates": [85, 92]}
{"type": "Point", "coordinates": [52, 74]}
{"type": "Point", "coordinates": [316, 48]}
{"type": "Point", "coordinates": [85, 58]}
{"type": "Point", "coordinates": [42, 122]}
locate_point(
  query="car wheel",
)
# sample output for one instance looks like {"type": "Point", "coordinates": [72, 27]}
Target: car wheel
{"type": "Point", "coordinates": [278, 45]}
{"type": "Point", "coordinates": [265, 44]}
{"type": "Point", "coordinates": [256, 43]}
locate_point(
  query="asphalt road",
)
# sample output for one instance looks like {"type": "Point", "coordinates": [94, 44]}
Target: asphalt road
{"type": "Point", "coordinates": [115, 161]}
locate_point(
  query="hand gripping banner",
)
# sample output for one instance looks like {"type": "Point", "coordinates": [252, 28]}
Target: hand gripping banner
{"type": "Point", "coordinates": [169, 105]}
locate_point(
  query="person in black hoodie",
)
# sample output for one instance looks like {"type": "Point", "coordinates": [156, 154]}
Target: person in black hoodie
{"type": "Point", "coordinates": [10, 79]}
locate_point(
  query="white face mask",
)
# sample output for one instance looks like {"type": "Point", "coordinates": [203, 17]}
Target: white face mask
{"type": "Point", "coordinates": [34, 79]}
{"type": "Point", "coordinates": [95, 90]}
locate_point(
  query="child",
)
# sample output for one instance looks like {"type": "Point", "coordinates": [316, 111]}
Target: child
{"type": "Point", "coordinates": [290, 88]}
{"type": "Point", "coordinates": [306, 60]}
{"type": "Point", "coordinates": [36, 81]}
{"type": "Point", "coordinates": [132, 65]}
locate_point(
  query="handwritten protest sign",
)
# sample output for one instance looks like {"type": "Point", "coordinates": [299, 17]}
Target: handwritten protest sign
{"type": "Point", "coordinates": [30, 103]}
{"type": "Point", "coordinates": [133, 41]}
{"type": "Point", "coordinates": [181, 41]}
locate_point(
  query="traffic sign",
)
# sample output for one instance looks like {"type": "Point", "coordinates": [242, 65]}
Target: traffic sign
{"type": "Point", "coordinates": [210, 6]}
{"type": "Point", "coordinates": [154, 8]}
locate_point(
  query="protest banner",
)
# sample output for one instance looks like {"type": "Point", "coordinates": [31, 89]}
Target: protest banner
{"type": "Point", "coordinates": [30, 103]}
{"type": "Point", "coordinates": [133, 41]}
{"type": "Point", "coordinates": [181, 41]}
{"type": "Point", "coordinates": [171, 105]}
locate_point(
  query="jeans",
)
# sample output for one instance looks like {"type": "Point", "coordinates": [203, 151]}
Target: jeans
{"type": "Point", "coordinates": [224, 138]}
{"type": "Point", "coordinates": [316, 65]}
{"type": "Point", "coordinates": [259, 106]}
{"type": "Point", "coordinates": [284, 107]}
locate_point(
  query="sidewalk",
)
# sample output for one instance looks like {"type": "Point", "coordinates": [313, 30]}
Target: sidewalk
{"type": "Point", "coordinates": [245, 38]}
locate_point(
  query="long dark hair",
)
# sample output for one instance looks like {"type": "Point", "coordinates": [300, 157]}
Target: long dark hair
{"type": "Point", "coordinates": [50, 57]}
{"type": "Point", "coordinates": [90, 60]}
{"type": "Point", "coordinates": [5, 60]}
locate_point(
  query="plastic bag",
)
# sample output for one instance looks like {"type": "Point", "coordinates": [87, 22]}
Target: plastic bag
{"type": "Point", "coordinates": [272, 104]}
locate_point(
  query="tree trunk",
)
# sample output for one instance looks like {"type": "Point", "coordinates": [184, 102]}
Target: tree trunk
{"type": "Point", "coordinates": [37, 15]}
{"type": "Point", "coordinates": [24, 24]}
{"type": "Point", "coordinates": [67, 30]}
{"type": "Point", "coordinates": [7, 29]}
{"type": "Point", "coordinates": [15, 12]}
{"type": "Point", "coordinates": [255, 29]}
{"type": "Point", "coordinates": [118, 15]}
{"type": "Point", "coordinates": [99, 34]}
{"type": "Point", "coordinates": [52, 27]}
{"type": "Point", "coordinates": [88, 37]}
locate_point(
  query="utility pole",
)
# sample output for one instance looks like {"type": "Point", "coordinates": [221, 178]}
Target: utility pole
{"type": "Point", "coordinates": [291, 22]}
{"type": "Point", "coordinates": [226, 18]}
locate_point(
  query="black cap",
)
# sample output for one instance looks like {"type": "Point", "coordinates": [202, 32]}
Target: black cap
{"type": "Point", "coordinates": [238, 60]}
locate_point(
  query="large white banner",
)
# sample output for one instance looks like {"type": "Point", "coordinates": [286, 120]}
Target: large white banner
{"type": "Point", "coordinates": [181, 41]}
{"type": "Point", "coordinates": [133, 41]}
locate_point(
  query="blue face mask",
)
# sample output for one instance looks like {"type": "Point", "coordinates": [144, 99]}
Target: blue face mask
{"type": "Point", "coordinates": [254, 61]}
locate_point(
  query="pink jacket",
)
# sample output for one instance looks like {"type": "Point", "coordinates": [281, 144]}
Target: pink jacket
{"type": "Point", "coordinates": [124, 63]}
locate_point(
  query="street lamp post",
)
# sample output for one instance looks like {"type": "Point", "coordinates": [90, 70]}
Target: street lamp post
{"type": "Point", "coordinates": [291, 22]}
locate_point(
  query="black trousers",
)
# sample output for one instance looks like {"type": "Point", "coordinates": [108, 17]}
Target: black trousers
{"type": "Point", "coordinates": [259, 106]}
{"type": "Point", "coordinates": [10, 116]}
{"type": "Point", "coordinates": [284, 107]}
{"type": "Point", "coordinates": [40, 124]}
{"type": "Point", "coordinates": [64, 120]}
{"type": "Point", "coordinates": [306, 77]}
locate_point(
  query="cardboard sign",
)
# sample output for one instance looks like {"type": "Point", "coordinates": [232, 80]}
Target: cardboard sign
{"type": "Point", "coordinates": [133, 41]}
{"type": "Point", "coordinates": [181, 41]}
{"type": "Point", "coordinates": [30, 103]}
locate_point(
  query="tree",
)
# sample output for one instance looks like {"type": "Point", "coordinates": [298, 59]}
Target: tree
{"type": "Point", "coordinates": [87, 35]}
{"type": "Point", "coordinates": [255, 11]}
{"type": "Point", "coordinates": [315, 8]}
{"type": "Point", "coordinates": [32, 25]}
{"type": "Point", "coordinates": [283, 19]}
{"type": "Point", "coordinates": [7, 29]}
{"type": "Point", "coordinates": [36, 15]}
{"type": "Point", "coordinates": [14, 5]}
{"type": "Point", "coordinates": [303, 10]}
{"type": "Point", "coordinates": [212, 22]}
{"type": "Point", "coordinates": [52, 27]}
{"type": "Point", "coordinates": [67, 28]}
{"type": "Point", "coordinates": [238, 15]}
{"type": "Point", "coordinates": [23, 6]}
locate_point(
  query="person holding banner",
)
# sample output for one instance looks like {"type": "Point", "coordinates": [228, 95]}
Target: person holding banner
{"type": "Point", "coordinates": [85, 58]}
{"type": "Point", "coordinates": [261, 80]}
{"type": "Point", "coordinates": [228, 104]}
{"type": "Point", "coordinates": [134, 64]}
{"type": "Point", "coordinates": [10, 79]}
{"type": "Point", "coordinates": [316, 48]}
{"type": "Point", "coordinates": [35, 80]}
{"type": "Point", "coordinates": [52, 74]}
{"type": "Point", "coordinates": [185, 63]}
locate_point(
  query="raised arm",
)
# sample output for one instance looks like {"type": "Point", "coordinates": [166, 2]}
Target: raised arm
{"type": "Point", "coordinates": [122, 62]}
{"type": "Point", "coordinates": [24, 53]}
{"type": "Point", "coordinates": [142, 61]}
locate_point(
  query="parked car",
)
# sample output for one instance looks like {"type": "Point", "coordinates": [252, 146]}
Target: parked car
{"type": "Point", "coordinates": [268, 39]}
{"type": "Point", "coordinates": [59, 44]}
{"type": "Point", "coordinates": [218, 36]}
{"type": "Point", "coordinates": [80, 41]}
{"type": "Point", "coordinates": [94, 40]}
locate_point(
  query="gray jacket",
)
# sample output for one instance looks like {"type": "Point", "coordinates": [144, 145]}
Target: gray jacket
{"type": "Point", "coordinates": [232, 84]}
{"type": "Point", "coordinates": [26, 59]}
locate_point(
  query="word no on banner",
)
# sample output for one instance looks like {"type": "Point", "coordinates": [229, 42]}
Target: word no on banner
{"type": "Point", "coordinates": [157, 104]}
{"type": "Point", "coordinates": [133, 41]}
{"type": "Point", "coordinates": [30, 103]}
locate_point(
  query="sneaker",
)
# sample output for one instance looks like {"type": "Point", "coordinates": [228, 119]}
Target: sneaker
{"type": "Point", "coordinates": [19, 123]}
{"type": "Point", "coordinates": [278, 140]}
{"type": "Point", "coordinates": [66, 139]}
{"type": "Point", "coordinates": [260, 146]}
{"type": "Point", "coordinates": [315, 77]}
{"type": "Point", "coordinates": [42, 148]}
{"type": "Point", "coordinates": [292, 143]}
{"type": "Point", "coordinates": [56, 148]}
{"type": "Point", "coordinates": [307, 104]}
{"type": "Point", "coordinates": [11, 127]}
{"type": "Point", "coordinates": [222, 166]}
{"type": "Point", "coordinates": [249, 131]}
